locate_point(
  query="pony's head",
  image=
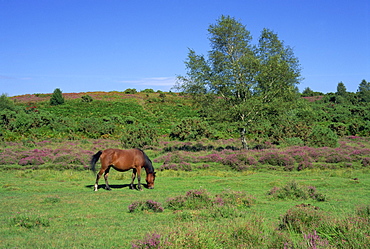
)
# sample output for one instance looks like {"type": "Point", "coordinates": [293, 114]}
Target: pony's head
{"type": "Point", "coordinates": [150, 180]}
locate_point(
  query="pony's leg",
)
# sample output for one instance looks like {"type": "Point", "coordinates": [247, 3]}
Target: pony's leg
{"type": "Point", "coordinates": [100, 173]}
{"type": "Point", "coordinates": [106, 179]}
{"type": "Point", "coordinates": [133, 179]}
{"type": "Point", "coordinates": [138, 179]}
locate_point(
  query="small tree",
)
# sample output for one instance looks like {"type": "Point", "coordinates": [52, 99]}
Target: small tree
{"type": "Point", "coordinates": [6, 103]}
{"type": "Point", "coordinates": [341, 90]}
{"type": "Point", "coordinates": [364, 91]}
{"type": "Point", "coordinates": [57, 97]}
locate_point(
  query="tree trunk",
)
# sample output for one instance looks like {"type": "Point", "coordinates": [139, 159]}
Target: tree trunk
{"type": "Point", "coordinates": [242, 137]}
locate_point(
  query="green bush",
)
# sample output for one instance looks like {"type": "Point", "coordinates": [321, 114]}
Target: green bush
{"type": "Point", "coordinates": [130, 91]}
{"type": "Point", "coordinates": [139, 136]}
{"type": "Point", "coordinates": [293, 191]}
{"type": "Point", "coordinates": [191, 129]}
{"type": "Point", "coordinates": [322, 137]}
{"type": "Point", "coordinates": [302, 218]}
{"type": "Point", "coordinates": [147, 91]}
{"type": "Point", "coordinates": [95, 128]}
{"type": "Point", "coordinates": [6, 103]}
{"type": "Point", "coordinates": [57, 97]}
{"type": "Point", "coordinates": [87, 98]}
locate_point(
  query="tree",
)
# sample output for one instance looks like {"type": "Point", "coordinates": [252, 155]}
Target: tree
{"type": "Point", "coordinates": [341, 90]}
{"type": "Point", "coordinates": [6, 103]}
{"type": "Point", "coordinates": [57, 97]}
{"type": "Point", "coordinates": [364, 91]}
{"type": "Point", "coordinates": [307, 92]}
{"type": "Point", "coordinates": [239, 80]}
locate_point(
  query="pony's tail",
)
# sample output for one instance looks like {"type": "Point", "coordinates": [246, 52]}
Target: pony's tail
{"type": "Point", "coordinates": [94, 159]}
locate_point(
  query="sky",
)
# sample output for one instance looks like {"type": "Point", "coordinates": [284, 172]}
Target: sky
{"type": "Point", "coordinates": [113, 45]}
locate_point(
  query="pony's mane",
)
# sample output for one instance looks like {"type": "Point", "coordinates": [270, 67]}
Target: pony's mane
{"type": "Point", "coordinates": [148, 163]}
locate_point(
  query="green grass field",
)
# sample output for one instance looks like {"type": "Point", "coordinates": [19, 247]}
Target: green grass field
{"type": "Point", "coordinates": [59, 209]}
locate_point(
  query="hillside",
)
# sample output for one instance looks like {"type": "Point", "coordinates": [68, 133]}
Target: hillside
{"type": "Point", "coordinates": [115, 114]}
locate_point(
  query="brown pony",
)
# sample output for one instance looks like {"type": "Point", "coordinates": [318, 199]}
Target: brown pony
{"type": "Point", "coordinates": [123, 160]}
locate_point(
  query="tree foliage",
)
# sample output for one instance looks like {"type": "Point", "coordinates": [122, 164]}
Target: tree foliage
{"type": "Point", "coordinates": [57, 97]}
{"type": "Point", "coordinates": [364, 91]}
{"type": "Point", "coordinates": [239, 80]}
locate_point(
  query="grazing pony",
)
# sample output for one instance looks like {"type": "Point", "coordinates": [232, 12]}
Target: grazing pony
{"type": "Point", "coordinates": [123, 160]}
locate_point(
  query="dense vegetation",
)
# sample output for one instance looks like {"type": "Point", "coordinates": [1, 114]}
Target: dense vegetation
{"type": "Point", "coordinates": [314, 121]}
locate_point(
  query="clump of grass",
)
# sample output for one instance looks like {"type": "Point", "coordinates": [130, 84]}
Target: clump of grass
{"type": "Point", "coordinates": [151, 241]}
{"type": "Point", "coordinates": [301, 218]}
{"type": "Point", "coordinates": [29, 221]}
{"type": "Point", "coordinates": [293, 191]}
{"type": "Point", "coordinates": [148, 205]}
{"type": "Point", "coordinates": [52, 200]}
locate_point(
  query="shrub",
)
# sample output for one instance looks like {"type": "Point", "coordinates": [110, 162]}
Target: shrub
{"type": "Point", "coordinates": [57, 97]}
{"type": "Point", "coordinates": [6, 103]}
{"type": "Point", "coordinates": [365, 161]}
{"type": "Point", "coordinates": [151, 241]}
{"type": "Point", "coordinates": [293, 191]}
{"type": "Point", "coordinates": [87, 98]}
{"type": "Point", "coordinates": [130, 91]}
{"type": "Point", "coordinates": [148, 90]}
{"type": "Point", "coordinates": [278, 159]}
{"type": "Point", "coordinates": [301, 218]}
{"type": "Point", "coordinates": [193, 199]}
{"type": "Point", "coordinates": [95, 128]}
{"type": "Point", "coordinates": [315, 241]}
{"type": "Point", "coordinates": [322, 137]}
{"type": "Point", "coordinates": [191, 129]}
{"type": "Point", "coordinates": [148, 205]}
{"type": "Point", "coordinates": [199, 199]}
{"type": "Point", "coordinates": [139, 136]}
{"type": "Point", "coordinates": [235, 198]}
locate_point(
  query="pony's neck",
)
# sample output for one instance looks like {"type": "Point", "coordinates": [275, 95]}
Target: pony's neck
{"type": "Point", "coordinates": [148, 169]}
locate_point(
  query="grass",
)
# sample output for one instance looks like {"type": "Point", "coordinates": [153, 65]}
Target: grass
{"type": "Point", "coordinates": [59, 209]}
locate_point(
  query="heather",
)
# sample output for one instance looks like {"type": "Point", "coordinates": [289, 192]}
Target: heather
{"type": "Point", "coordinates": [50, 154]}
{"type": "Point", "coordinates": [352, 152]}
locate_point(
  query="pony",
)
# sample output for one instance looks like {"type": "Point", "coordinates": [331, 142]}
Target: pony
{"type": "Point", "coordinates": [123, 160]}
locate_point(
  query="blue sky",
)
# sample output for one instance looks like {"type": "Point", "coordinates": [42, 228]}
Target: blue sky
{"type": "Point", "coordinates": [112, 45]}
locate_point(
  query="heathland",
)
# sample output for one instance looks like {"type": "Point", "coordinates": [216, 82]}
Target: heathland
{"type": "Point", "coordinates": [303, 182]}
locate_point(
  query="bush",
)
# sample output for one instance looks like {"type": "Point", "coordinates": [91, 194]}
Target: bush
{"type": "Point", "coordinates": [293, 191]}
{"type": "Point", "coordinates": [148, 90]}
{"type": "Point", "coordinates": [151, 241]}
{"type": "Point", "coordinates": [95, 128]}
{"type": "Point", "coordinates": [6, 103]}
{"type": "Point", "coordinates": [148, 205]}
{"type": "Point", "coordinates": [322, 137]}
{"type": "Point", "coordinates": [191, 129]}
{"type": "Point", "coordinates": [86, 98]}
{"type": "Point", "coordinates": [301, 218]}
{"type": "Point", "coordinates": [130, 91]}
{"type": "Point", "coordinates": [57, 97]}
{"type": "Point", "coordinates": [278, 159]}
{"type": "Point", "coordinates": [139, 136]}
